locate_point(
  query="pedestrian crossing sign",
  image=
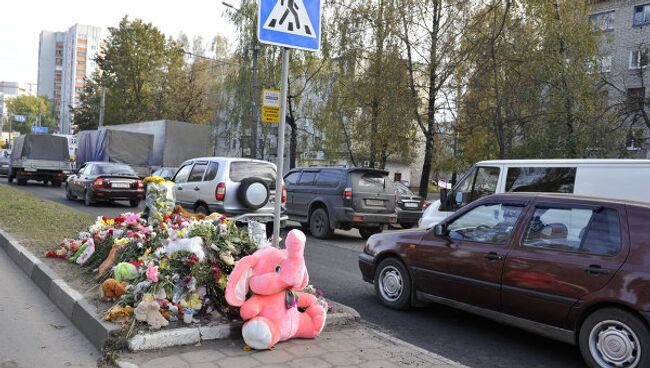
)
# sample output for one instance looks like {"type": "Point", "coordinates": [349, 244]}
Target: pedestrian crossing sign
{"type": "Point", "coordinates": [290, 23]}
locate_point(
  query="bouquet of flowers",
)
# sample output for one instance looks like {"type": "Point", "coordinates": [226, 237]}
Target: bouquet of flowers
{"type": "Point", "coordinates": [159, 198]}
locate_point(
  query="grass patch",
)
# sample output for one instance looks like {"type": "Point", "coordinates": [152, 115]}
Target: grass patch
{"type": "Point", "coordinates": [39, 224]}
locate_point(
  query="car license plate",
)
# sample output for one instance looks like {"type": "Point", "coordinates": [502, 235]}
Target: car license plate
{"type": "Point", "coordinates": [411, 204]}
{"type": "Point", "coordinates": [374, 202]}
{"type": "Point", "coordinates": [120, 185]}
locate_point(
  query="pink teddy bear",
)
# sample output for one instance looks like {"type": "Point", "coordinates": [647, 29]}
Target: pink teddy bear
{"type": "Point", "coordinates": [275, 277]}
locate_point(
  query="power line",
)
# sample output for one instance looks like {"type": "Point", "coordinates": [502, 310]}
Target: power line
{"type": "Point", "coordinates": [220, 61]}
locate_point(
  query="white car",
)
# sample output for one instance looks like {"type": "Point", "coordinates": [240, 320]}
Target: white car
{"type": "Point", "coordinates": [610, 179]}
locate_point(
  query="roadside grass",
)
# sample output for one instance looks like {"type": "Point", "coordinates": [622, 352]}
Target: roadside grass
{"type": "Point", "coordinates": [39, 224]}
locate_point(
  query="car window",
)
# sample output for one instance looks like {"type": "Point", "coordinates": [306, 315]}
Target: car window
{"type": "Point", "coordinates": [183, 174]}
{"type": "Point", "coordinates": [308, 178]}
{"type": "Point", "coordinates": [490, 223]}
{"type": "Point", "coordinates": [575, 230]}
{"type": "Point", "coordinates": [197, 172]}
{"type": "Point", "coordinates": [371, 181]}
{"type": "Point", "coordinates": [240, 170]}
{"type": "Point", "coordinates": [485, 183]}
{"type": "Point", "coordinates": [292, 178]}
{"type": "Point", "coordinates": [329, 178]}
{"type": "Point", "coordinates": [211, 172]}
{"type": "Point", "coordinates": [402, 190]}
{"type": "Point", "coordinates": [112, 170]}
{"type": "Point", "coordinates": [541, 179]}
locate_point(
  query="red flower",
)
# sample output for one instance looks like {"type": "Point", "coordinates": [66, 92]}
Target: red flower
{"type": "Point", "coordinates": [135, 263]}
{"type": "Point", "coordinates": [217, 273]}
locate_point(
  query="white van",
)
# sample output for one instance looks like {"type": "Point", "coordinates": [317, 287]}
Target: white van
{"type": "Point", "coordinates": [604, 178]}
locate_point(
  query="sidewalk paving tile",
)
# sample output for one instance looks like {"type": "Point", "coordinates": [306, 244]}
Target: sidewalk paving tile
{"type": "Point", "coordinates": [367, 348]}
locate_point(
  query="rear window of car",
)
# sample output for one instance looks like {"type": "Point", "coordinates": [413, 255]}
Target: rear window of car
{"type": "Point", "coordinates": [113, 170]}
{"type": "Point", "coordinates": [541, 179]}
{"type": "Point", "coordinates": [401, 189]}
{"type": "Point", "coordinates": [371, 181]}
{"type": "Point", "coordinates": [240, 170]}
{"type": "Point", "coordinates": [330, 178]}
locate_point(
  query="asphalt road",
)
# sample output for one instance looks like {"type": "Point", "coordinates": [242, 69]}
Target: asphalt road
{"type": "Point", "coordinates": [463, 337]}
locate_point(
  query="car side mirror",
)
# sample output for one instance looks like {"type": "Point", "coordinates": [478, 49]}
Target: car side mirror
{"type": "Point", "coordinates": [440, 230]}
{"type": "Point", "coordinates": [459, 198]}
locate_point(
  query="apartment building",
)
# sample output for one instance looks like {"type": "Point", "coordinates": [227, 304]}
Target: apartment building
{"type": "Point", "coordinates": [9, 90]}
{"type": "Point", "coordinates": [64, 60]}
{"type": "Point", "coordinates": [624, 61]}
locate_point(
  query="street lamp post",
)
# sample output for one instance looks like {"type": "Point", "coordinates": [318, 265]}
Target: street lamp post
{"type": "Point", "coordinates": [254, 84]}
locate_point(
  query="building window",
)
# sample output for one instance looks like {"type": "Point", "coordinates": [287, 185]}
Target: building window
{"type": "Point", "coordinates": [639, 58]}
{"type": "Point", "coordinates": [81, 53]}
{"type": "Point", "coordinates": [604, 21]}
{"type": "Point", "coordinates": [81, 63]}
{"type": "Point", "coordinates": [641, 15]}
{"type": "Point", "coordinates": [636, 98]}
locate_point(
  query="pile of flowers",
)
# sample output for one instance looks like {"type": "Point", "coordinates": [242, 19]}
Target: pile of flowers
{"type": "Point", "coordinates": [161, 265]}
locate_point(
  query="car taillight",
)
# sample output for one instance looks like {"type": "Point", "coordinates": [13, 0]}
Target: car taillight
{"type": "Point", "coordinates": [347, 194]}
{"type": "Point", "coordinates": [140, 184]}
{"type": "Point", "coordinates": [284, 194]}
{"type": "Point", "coordinates": [98, 183]}
{"type": "Point", "coordinates": [220, 192]}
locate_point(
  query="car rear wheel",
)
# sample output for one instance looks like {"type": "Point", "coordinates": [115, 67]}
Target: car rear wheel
{"type": "Point", "coordinates": [319, 224]}
{"type": "Point", "coordinates": [20, 181]}
{"type": "Point", "coordinates": [614, 338]}
{"type": "Point", "coordinates": [134, 203]}
{"type": "Point", "coordinates": [367, 232]}
{"type": "Point", "coordinates": [393, 284]}
{"type": "Point", "coordinates": [88, 198]}
{"type": "Point", "coordinates": [203, 209]}
{"type": "Point", "coordinates": [56, 183]}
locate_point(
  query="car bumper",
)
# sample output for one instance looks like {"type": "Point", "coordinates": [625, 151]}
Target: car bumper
{"type": "Point", "coordinates": [114, 194]}
{"type": "Point", "coordinates": [263, 217]}
{"type": "Point", "coordinates": [408, 216]}
{"type": "Point", "coordinates": [361, 219]}
{"type": "Point", "coordinates": [367, 267]}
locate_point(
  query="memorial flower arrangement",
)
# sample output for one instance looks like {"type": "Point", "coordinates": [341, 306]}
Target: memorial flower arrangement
{"type": "Point", "coordinates": [161, 265]}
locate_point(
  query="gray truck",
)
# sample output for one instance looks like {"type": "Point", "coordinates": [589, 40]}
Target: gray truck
{"type": "Point", "coordinates": [41, 158]}
{"type": "Point", "coordinates": [107, 145]}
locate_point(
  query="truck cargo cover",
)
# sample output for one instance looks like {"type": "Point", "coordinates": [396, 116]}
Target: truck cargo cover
{"type": "Point", "coordinates": [42, 147]}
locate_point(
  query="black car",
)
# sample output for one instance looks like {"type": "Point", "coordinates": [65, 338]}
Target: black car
{"type": "Point", "coordinates": [104, 181]}
{"type": "Point", "coordinates": [408, 206]}
{"type": "Point", "coordinates": [328, 198]}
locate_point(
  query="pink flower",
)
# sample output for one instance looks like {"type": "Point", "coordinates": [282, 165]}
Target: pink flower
{"type": "Point", "coordinates": [132, 219]}
{"type": "Point", "coordinates": [152, 272]}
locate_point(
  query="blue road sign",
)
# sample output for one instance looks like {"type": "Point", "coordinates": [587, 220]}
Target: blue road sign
{"type": "Point", "coordinates": [37, 129]}
{"type": "Point", "coordinates": [20, 118]}
{"type": "Point", "coordinates": [290, 23]}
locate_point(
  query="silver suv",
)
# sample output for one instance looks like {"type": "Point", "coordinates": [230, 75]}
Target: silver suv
{"type": "Point", "coordinates": [240, 188]}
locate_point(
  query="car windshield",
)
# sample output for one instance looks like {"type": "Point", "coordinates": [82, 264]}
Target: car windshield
{"type": "Point", "coordinates": [401, 189]}
{"type": "Point", "coordinates": [114, 170]}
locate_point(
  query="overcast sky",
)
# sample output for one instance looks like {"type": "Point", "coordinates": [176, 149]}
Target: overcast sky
{"type": "Point", "coordinates": [21, 22]}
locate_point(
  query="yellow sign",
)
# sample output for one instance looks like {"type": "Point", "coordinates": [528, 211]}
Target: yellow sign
{"type": "Point", "coordinates": [270, 106]}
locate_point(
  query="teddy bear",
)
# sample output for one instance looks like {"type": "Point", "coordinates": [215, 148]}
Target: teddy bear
{"type": "Point", "coordinates": [112, 289]}
{"type": "Point", "coordinates": [277, 310]}
{"type": "Point", "coordinates": [149, 311]}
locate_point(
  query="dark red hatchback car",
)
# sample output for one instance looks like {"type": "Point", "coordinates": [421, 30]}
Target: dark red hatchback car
{"type": "Point", "coordinates": [571, 268]}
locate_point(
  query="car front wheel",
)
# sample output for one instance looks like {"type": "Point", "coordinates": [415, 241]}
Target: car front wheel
{"type": "Point", "coordinates": [614, 338]}
{"type": "Point", "coordinates": [367, 232]}
{"type": "Point", "coordinates": [68, 193]}
{"type": "Point", "coordinates": [88, 198]}
{"type": "Point", "coordinates": [393, 284]}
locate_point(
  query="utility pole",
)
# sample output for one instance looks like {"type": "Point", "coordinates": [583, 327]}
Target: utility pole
{"type": "Point", "coordinates": [102, 104]}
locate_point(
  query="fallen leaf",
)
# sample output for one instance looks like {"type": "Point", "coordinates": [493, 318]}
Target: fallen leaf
{"type": "Point", "coordinates": [58, 327]}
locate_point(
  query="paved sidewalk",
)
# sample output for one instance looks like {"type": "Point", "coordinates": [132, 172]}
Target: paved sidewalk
{"type": "Point", "coordinates": [355, 346]}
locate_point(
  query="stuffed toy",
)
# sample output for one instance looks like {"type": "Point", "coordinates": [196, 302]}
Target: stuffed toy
{"type": "Point", "coordinates": [277, 310]}
{"type": "Point", "coordinates": [197, 216]}
{"type": "Point", "coordinates": [112, 289]}
{"type": "Point", "coordinates": [118, 314]}
{"type": "Point", "coordinates": [149, 311]}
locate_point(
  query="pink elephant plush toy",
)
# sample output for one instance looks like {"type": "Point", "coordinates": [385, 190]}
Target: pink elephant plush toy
{"type": "Point", "coordinates": [277, 310]}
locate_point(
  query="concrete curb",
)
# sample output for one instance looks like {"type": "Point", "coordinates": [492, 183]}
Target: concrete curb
{"type": "Point", "coordinates": [84, 315]}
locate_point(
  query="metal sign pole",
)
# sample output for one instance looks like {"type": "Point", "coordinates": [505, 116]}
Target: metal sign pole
{"type": "Point", "coordinates": [283, 121]}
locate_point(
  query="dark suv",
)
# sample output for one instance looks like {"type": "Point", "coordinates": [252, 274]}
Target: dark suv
{"type": "Point", "coordinates": [572, 268]}
{"type": "Point", "coordinates": [328, 198]}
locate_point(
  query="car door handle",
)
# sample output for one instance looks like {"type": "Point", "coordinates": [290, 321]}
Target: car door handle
{"type": "Point", "coordinates": [179, 188]}
{"type": "Point", "coordinates": [197, 188]}
{"type": "Point", "coordinates": [596, 270]}
{"type": "Point", "coordinates": [493, 256]}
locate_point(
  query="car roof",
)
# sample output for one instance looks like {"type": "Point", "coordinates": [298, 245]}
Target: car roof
{"type": "Point", "coordinates": [565, 197]}
{"type": "Point", "coordinates": [565, 162]}
{"type": "Point", "coordinates": [103, 163]}
{"type": "Point", "coordinates": [226, 159]}
{"type": "Point", "coordinates": [346, 169]}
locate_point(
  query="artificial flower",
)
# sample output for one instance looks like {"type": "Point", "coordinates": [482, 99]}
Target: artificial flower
{"type": "Point", "coordinates": [152, 272]}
